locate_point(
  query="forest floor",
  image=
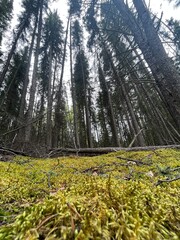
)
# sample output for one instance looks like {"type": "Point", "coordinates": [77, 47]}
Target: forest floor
{"type": "Point", "coordinates": [121, 195]}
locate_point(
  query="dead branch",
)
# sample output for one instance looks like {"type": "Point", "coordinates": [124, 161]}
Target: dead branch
{"type": "Point", "coordinates": [97, 168]}
{"type": "Point", "coordinates": [138, 162]}
{"type": "Point", "coordinates": [4, 150]}
{"type": "Point", "coordinates": [167, 180]}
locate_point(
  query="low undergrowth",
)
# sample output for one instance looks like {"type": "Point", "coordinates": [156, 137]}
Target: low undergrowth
{"type": "Point", "coordinates": [102, 197]}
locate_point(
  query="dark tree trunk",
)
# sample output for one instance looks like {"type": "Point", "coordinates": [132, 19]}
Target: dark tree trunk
{"type": "Point", "coordinates": [49, 104]}
{"type": "Point", "coordinates": [59, 92]}
{"type": "Point", "coordinates": [163, 70]}
{"type": "Point", "coordinates": [75, 118]}
{"type": "Point", "coordinates": [13, 48]}
{"type": "Point", "coordinates": [120, 82]}
{"type": "Point", "coordinates": [26, 80]}
{"type": "Point", "coordinates": [34, 78]}
{"type": "Point", "coordinates": [110, 111]}
{"type": "Point", "coordinates": [88, 119]}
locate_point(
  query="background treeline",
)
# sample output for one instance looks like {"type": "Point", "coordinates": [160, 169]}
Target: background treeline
{"type": "Point", "coordinates": [123, 62]}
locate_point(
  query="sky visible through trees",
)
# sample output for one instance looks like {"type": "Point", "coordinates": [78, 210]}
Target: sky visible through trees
{"type": "Point", "coordinates": [89, 73]}
{"type": "Point", "coordinates": [62, 7]}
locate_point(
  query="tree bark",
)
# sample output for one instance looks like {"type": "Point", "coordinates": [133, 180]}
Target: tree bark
{"type": "Point", "coordinates": [26, 80]}
{"type": "Point", "coordinates": [59, 92]}
{"type": "Point", "coordinates": [13, 48]}
{"type": "Point", "coordinates": [120, 82]}
{"type": "Point", "coordinates": [97, 151]}
{"type": "Point", "coordinates": [49, 104]}
{"type": "Point", "coordinates": [88, 120]}
{"type": "Point", "coordinates": [75, 118]}
{"type": "Point", "coordinates": [34, 77]}
{"type": "Point", "coordinates": [163, 70]}
{"type": "Point", "coordinates": [111, 111]}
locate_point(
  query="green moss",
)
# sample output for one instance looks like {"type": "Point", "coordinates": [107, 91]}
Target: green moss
{"type": "Point", "coordinates": [91, 198]}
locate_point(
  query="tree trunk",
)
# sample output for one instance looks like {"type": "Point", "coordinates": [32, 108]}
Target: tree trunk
{"type": "Point", "coordinates": [26, 80]}
{"type": "Point", "coordinates": [13, 48]}
{"type": "Point", "coordinates": [75, 119]}
{"type": "Point", "coordinates": [40, 137]}
{"type": "Point", "coordinates": [34, 77]}
{"type": "Point", "coordinates": [88, 120]}
{"type": "Point", "coordinates": [163, 70]}
{"type": "Point", "coordinates": [49, 105]}
{"type": "Point", "coordinates": [110, 111]}
{"type": "Point", "coordinates": [105, 150]}
{"type": "Point", "coordinates": [169, 78]}
{"type": "Point", "coordinates": [59, 93]}
{"type": "Point", "coordinates": [120, 82]}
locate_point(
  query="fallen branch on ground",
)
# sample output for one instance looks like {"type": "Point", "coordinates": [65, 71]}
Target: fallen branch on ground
{"type": "Point", "coordinates": [167, 180]}
{"type": "Point", "coordinates": [97, 168]}
{"type": "Point", "coordinates": [4, 150]}
{"type": "Point", "coordinates": [138, 162]}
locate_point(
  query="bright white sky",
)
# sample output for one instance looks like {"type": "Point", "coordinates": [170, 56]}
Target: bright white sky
{"type": "Point", "coordinates": [163, 5]}
{"type": "Point", "coordinates": [156, 5]}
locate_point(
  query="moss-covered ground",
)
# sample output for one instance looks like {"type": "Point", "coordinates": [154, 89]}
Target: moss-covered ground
{"type": "Point", "coordinates": [101, 197]}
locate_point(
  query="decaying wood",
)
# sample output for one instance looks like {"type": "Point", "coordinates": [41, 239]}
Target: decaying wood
{"type": "Point", "coordinates": [83, 151]}
{"type": "Point", "coordinates": [8, 151]}
{"type": "Point", "coordinates": [6, 158]}
{"type": "Point", "coordinates": [99, 151]}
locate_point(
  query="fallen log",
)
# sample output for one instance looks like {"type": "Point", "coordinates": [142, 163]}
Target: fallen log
{"type": "Point", "coordinates": [84, 151]}
{"type": "Point", "coordinates": [98, 151]}
{"type": "Point", "coordinates": [8, 151]}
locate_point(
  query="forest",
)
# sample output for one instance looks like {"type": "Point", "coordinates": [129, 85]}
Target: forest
{"type": "Point", "coordinates": [89, 120]}
{"type": "Point", "coordinates": [123, 84]}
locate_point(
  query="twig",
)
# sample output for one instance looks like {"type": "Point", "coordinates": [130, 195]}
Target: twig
{"type": "Point", "coordinates": [8, 151]}
{"type": "Point", "coordinates": [96, 168]}
{"type": "Point", "coordinates": [138, 162]}
{"type": "Point", "coordinates": [167, 180]}
{"type": "Point", "coordinates": [46, 220]}
{"type": "Point", "coordinates": [73, 210]}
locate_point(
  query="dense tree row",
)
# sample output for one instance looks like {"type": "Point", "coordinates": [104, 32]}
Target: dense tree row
{"type": "Point", "coordinates": [124, 73]}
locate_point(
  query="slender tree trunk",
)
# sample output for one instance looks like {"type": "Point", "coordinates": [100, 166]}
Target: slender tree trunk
{"type": "Point", "coordinates": [163, 70]}
{"type": "Point", "coordinates": [88, 120]}
{"type": "Point", "coordinates": [110, 111]}
{"type": "Point", "coordinates": [59, 92]}
{"type": "Point", "coordinates": [75, 118]}
{"type": "Point", "coordinates": [152, 112]}
{"type": "Point", "coordinates": [49, 105]}
{"type": "Point", "coordinates": [140, 137]}
{"type": "Point", "coordinates": [34, 77]}
{"type": "Point", "coordinates": [120, 82]}
{"type": "Point", "coordinates": [104, 132]}
{"type": "Point", "coordinates": [26, 80]}
{"type": "Point", "coordinates": [40, 138]}
{"type": "Point", "coordinates": [13, 48]}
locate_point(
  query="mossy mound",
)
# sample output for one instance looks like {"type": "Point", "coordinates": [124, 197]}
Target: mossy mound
{"type": "Point", "coordinates": [103, 197]}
